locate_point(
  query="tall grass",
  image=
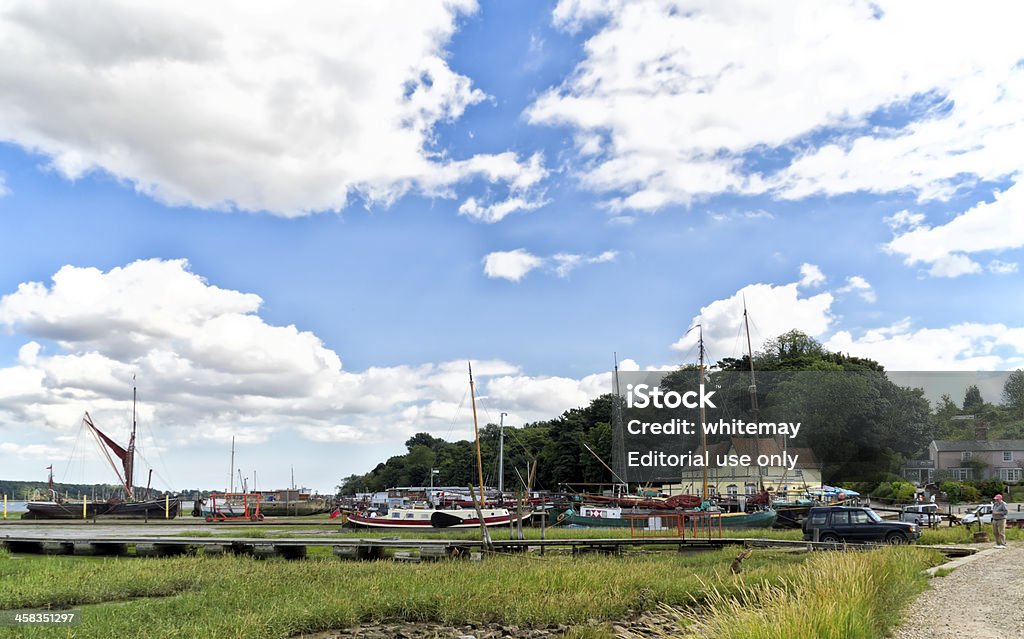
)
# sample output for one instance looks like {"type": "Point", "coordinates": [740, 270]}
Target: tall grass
{"type": "Point", "coordinates": [834, 596]}
{"type": "Point", "coordinates": [238, 597]}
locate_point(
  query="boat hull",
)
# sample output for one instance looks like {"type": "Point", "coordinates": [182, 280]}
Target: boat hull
{"type": "Point", "coordinates": [152, 509]}
{"type": "Point", "coordinates": [732, 521]}
{"type": "Point", "coordinates": [435, 520]}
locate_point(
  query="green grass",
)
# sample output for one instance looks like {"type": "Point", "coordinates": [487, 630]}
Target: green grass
{"type": "Point", "coordinates": [964, 534]}
{"type": "Point", "coordinates": [834, 596]}
{"type": "Point", "coordinates": [240, 597]}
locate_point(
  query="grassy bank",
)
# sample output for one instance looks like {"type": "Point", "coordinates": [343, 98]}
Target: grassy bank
{"type": "Point", "coordinates": [240, 597]}
{"type": "Point", "coordinates": [833, 596]}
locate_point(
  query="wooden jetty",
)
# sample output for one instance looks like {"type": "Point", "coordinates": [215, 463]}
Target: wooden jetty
{"type": "Point", "coordinates": [402, 549]}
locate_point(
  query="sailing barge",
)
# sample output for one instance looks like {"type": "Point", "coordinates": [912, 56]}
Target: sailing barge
{"type": "Point", "coordinates": [130, 507]}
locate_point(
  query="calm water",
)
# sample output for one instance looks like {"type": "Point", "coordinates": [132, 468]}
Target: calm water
{"type": "Point", "coordinates": [13, 507]}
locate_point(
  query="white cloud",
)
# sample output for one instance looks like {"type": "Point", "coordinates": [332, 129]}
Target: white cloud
{"type": "Point", "coordinates": [671, 97]}
{"type": "Point", "coordinates": [953, 265]}
{"type": "Point", "coordinates": [278, 108]}
{"type": "Point", "coordinates": [3, 187]}
{"type": "Point", "coordinates": [510, 265]}
{"type": "Point", "coordinates": [33, 451]}
{"type": "Point", "coordinates": [811, 275]}
{"type": "Point", "coordinates": [904, 220]}
{"type": "Point", "coordinates": [773, 310]}
{"type": "Point", "coordinates": [988, 226]}
{"type": "Point", "coordinates": [565, 263]}
{"type": "Point", "coordinates": [1002, 268]}
{"type": "Point", "coordinates": [209, 368]}
{"type": "Point", "coordinates": [856, 283]}
{"type": "Point", "coordinates": [514, 265]}
{"type": "Point", "coordinates": [967, 347]}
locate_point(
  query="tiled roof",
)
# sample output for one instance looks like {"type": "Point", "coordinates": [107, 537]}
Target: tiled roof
{"type": "Point", "coordinates": [995, 445]}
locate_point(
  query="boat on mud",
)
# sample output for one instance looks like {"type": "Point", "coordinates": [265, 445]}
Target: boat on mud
{"type": "Point", "coordinates": [129, 507]}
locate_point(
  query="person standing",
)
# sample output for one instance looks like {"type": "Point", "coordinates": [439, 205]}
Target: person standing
{"type": "Point", "coordinates": [999, 511]}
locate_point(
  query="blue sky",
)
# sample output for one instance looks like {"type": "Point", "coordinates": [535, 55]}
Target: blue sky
{"type": "Point", "coordinates": [295, 228]}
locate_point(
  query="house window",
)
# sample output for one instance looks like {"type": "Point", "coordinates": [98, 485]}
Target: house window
{"type": "Point", "coordinates": [1007, 455]}
{"type": "Point", "coordinates": [750, 489]}
{"type": "Point", "coordinates": [961, 474]}
{"type": "Point", "coordinates": [1010, 474]}
{"type": "Point", "coordinates": [965, 455]}
{"type": "Point", "coordinates": [731, 490]}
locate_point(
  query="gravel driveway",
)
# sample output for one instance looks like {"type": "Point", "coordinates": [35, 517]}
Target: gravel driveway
{"type": "Point", "coordinates": [983, 599]}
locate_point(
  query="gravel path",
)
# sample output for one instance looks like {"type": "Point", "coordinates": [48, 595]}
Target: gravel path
{"type": "Point", "coordinates": [982, 599]}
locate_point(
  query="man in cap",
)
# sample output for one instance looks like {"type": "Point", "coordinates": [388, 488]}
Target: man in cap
{"type": "Point", "coordinates": [999, 511]}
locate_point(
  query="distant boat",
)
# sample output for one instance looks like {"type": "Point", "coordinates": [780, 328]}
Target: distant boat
{"type": "Point", "coordinates": [597, 517]}
{"type": "Point", "coordinates": [435, 518]}
{"type": "Point", "coordinates": [443, 518]}
{"type": "Point", "coordinates": [129, 508]}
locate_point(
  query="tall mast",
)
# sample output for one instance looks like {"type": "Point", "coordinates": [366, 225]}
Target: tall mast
{"type": "Point", "coordinates": [703, 433]}
{"type": "Point", "coordinates": [476, 435]}
{"type": "Point", "coordinates": [753, 391]}
{"type": "Point", "coordinates": [129, 471]}
{"type": "Point", "coordinates": [501, 455]}
{"type": "Point", "coordinates": [231, 471]}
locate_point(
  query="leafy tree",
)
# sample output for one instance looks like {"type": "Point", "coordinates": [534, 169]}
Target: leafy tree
{"type": "Point", "coordinates": [1013, 392]}
{"type": "Point", "coordinates": [973, 403]}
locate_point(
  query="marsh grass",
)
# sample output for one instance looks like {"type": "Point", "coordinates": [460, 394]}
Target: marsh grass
{"type": "Point", "coordinates": [850, 595]}
{"type": "Point", "coordinates": [239, 597]}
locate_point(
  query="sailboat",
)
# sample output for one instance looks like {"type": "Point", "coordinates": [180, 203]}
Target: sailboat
{"type": "Point", "coordinates": [130, 507]}
{"type": "Point", "coordinates": [444, 518]}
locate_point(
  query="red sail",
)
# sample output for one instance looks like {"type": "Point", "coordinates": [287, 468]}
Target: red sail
{"type": "Point", "coordinates": [117, 450]}
{"type": "Point", "coordinates": [125, 455]}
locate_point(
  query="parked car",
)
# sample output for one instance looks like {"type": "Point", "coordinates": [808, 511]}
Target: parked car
{"type": "Point", "coordinates": [922, 515]}
{"type": "Point", "coordinates": [857, 525]}
{"type": "Point", "coordinates": [983, 512]}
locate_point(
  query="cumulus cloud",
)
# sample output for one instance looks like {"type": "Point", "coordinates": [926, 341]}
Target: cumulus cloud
{"type": "Point", "coordinates": [859, 285]}
{"type": "Point", "coordinates": [811, 275]}
{"type": "Point", "coordinates": [210, 368]}
{"type": "Point", "coordinates": [773, 310]}
{"type": "Point", "coordinates": [674, 99]}
{"type": "Point", "coordinates": [776, 309]}
{"type": "Point", "coordinates": [510, 265]}
{"type": "Point", "coordinates": [1002, 268]}
{"type": "Point", "coordinates": [986, 227]}
{"type": "Point", "coordinates": [285, 109]}
{"type": "Point", "coordinates": [968, 346]}
{"type": "Point", "coordinates": [514, 265]}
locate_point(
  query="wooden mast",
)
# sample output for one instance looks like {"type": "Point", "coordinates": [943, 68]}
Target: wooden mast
{"type": "Point", "coordinates": [753, 393]}
{"type": "Point", "coordinates": [129, 471]}
{"type": "Point", "coordinates": [703, 433]}
{"type": "Point", "coordinates": [476, 435]}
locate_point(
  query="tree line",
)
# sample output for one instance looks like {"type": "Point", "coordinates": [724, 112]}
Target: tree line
{"type": "Point", "coordinates": [864, 426]}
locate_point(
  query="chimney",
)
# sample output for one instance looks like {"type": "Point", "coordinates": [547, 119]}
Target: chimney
{"type": "Point", "coordinates": [980, 431]}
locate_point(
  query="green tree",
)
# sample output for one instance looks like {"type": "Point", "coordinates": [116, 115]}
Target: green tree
{"type": "Point", "coordinates": [973, 403]}
{"type": "Point", "coordinates": [1013, 392]}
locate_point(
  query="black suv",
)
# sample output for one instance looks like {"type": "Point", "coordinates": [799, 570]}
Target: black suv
{"type": "Point", "coordinates": [856, 525]}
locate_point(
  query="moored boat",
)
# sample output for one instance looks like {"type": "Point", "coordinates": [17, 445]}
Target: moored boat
{"type": "Point", "coordinates": [129, 508]}
{"type": "Point", "coordinates": [435, 518]}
